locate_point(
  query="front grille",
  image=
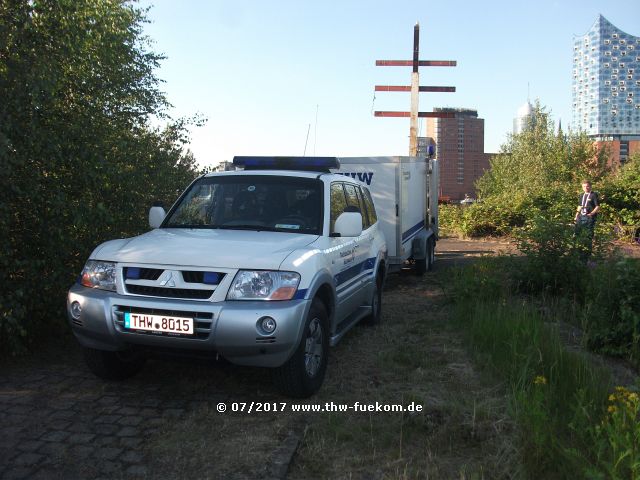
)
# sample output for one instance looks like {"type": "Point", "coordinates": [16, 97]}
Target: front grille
{"type": "Point", "coordinates": [202, 320]}
{"type": "Point", "coordinates": [145, 273]}
{"type": "Point", "coordinates": [169, 292]}
{"type": "Point", "coordinates": [193, 277]}
{"type": "Point", "coordinates": [208, 278]}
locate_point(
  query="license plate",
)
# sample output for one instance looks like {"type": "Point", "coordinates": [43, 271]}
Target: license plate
{"type": "Point", "coordinates": [158, 323]}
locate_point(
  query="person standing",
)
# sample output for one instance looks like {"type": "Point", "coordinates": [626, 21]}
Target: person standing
{"type": "Point", "coordinates": [586, 215]}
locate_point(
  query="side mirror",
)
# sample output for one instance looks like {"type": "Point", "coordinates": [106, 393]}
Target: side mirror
{"type": "Point", "coordinates": [156, 216]}
{"type": "Point", "coordinates": [348, 224]}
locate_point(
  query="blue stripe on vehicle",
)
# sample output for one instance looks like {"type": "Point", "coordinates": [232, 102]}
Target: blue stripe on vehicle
{"type": "Point", "coordinates": [300, 294]}
{"type": "Point", "coordinates": [354, 271]}
{"type": "Point", "coordinates": [412, 232]}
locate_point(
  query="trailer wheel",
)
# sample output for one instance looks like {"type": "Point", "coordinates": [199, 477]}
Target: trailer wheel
{"type": "Point", "coordinates": [422, 265]}
{"type": "Point", "coordinates": [431, 253]}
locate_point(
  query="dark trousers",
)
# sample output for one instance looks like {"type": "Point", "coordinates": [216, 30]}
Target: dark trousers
{"type": "Point", "coordinates": [585, 227]}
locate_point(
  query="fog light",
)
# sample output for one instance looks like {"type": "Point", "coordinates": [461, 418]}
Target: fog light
{"type": "Point", "coordinates": [267, 325]}
{"type": "Point", "coordinates": [76, 309]}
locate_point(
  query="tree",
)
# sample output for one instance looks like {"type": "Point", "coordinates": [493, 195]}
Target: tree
{"type": "Point", "coordinates": [621, 191]}
{"type": "Point", "coordinates": [80, 161]}
{"type": "Point", "coordinates": [537, 173]}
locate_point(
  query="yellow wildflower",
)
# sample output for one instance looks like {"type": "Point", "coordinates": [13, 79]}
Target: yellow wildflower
{"type": "Point", "coordinates": [540, 380]}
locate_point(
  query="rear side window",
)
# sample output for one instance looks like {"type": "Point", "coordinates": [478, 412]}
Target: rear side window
{"type": "Point", "coordinates": [366, 218]}
{"type": "Point", "coordinates": [352, 197]}
{"type": "Point", "coordinates": [338, 203]}
{"type": "Point", "coordinates": [371, 209]}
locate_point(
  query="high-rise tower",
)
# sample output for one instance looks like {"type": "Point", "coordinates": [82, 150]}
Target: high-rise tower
{"type": "Point", "coordinates": [606, 86]}
{"type": "Point", "coordinates": [460, 151]}
{"type": "Point", "coordinates": [524, 118]}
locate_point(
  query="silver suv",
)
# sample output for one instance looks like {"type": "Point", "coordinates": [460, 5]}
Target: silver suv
{"type": "Point", "coordinates": [266, 266]}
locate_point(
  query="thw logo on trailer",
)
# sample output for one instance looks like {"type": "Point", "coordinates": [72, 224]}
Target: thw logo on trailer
{"type": "Point", "coordinates": [364, 177]}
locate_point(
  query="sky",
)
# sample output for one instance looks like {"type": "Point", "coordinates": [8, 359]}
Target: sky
{"type": "Point", "coordinates": [289, 78]}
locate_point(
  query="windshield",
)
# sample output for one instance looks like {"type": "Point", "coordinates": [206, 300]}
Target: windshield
{"type": "Point", "coordinates": [243, 202]}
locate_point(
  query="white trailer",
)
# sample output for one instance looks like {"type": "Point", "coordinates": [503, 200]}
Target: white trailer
{"type": "Point", "coordinates": [405, 191]}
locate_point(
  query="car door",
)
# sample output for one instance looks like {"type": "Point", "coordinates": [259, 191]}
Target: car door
{"type": "Point", "coordinates": [356, 272]}
{"type": "Point", "coordinates": [346, 256]}
{"type": "Point", "coordinates": [366, 242]}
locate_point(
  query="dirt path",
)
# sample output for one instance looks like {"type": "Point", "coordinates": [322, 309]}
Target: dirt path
{"type": "Point", "coordinates": [58, 421]}
{"type": "Point", "coordinates": [415, 356]}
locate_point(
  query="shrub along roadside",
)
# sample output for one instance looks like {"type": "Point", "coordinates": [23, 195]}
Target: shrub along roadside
{"type": "Point", "coordinates": [538, 173]}
{"type": "Point", "coordinates": [573, 423]}
{"type": "Point", "coordinates": [81, 161]}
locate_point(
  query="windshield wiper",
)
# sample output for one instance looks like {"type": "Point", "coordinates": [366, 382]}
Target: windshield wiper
{"type": "Point", "coordinates": [257, 228]}
{"type": "Point", "coordinates": [187, 225]}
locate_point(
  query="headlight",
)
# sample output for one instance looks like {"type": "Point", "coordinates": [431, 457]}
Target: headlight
{"type": "Point", "coordinates": [263, 285]}
{"type": "Point", "coordinates": [97, 274]}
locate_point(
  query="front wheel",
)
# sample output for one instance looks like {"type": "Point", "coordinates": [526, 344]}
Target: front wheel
{"type": "Point", "coordinates": [302, 375]}
{"type": "Point", "coordinates": [376, 303]}
{"type": "Point", "coordinates": [113, 365]}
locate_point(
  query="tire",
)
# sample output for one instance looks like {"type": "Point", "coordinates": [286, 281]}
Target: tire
{"type": "Point", "coordinates": [302, 375]}
{"type": "Point", "coordinates": [423, 265]}
{"type": "Point", "coordinates": [431, 253]}
{"type": "Point", "coordinates": [376, 303]}
{"type": "Point", "coordinates": [113, 365]}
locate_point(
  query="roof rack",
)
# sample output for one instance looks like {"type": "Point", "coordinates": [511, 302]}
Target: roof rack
{"type": "Point", "coordinates": [305, 164]}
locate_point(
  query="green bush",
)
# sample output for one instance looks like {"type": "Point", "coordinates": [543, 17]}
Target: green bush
{"type": "Point", "coordinates": [449, 219]}
{"type": "Point", "coordinates": [617, 438]}
{"type": "Point", "coordinates": [611, 312]}
{"type": "Point", "coordinates": [572, 423]}
{"type": "Point", "coordinates": [621, 193]}
{"type": "Point", "coordinates": [478, 220]}
{"type": "Point", "coordinates": [80, 162]}
{"type": "Point", "coordinates": [554, 257]}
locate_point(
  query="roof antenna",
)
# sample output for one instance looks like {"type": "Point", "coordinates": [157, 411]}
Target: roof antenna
{"type": "Point", "coordinates": [315, 131]}
{"type": "Point", "coordinates": [306, 141]}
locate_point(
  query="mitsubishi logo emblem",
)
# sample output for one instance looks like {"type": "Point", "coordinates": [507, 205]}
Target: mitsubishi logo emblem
{"type": "Point", "coordinates": [166, 280]}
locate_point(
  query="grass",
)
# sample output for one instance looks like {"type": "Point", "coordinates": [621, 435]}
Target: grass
{"type": "Point", "coordinates": [419, 357]}
{"type": "Point", "coordinates": [558, 397]}
{"type": "Point", "coordinates": [509, 402]}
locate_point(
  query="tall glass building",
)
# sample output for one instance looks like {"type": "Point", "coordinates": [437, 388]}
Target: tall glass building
{"type": "Point", "coordinates": [606, 85]}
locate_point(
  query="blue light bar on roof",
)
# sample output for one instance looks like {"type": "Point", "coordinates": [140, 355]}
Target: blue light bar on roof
{"type": "Point", "coordinates": [310, 164]}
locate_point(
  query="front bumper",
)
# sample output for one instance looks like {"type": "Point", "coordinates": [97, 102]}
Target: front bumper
{"type": "Point", "coordinates": [228, 328]}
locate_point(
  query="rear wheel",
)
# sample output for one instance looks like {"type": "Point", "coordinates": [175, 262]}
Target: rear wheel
{"type": "Point", "coordinates": [431, 253]}
{"type": "Point", "coordinates": [302, 375]}
{"type": "Point", "coordinates": [113, 365]}
{"type": "Point", "coordinates": [423, 265]}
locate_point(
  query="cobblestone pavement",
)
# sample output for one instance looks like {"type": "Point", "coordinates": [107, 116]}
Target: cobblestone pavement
{"type": "Point", "coordinates": [57, 420]}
